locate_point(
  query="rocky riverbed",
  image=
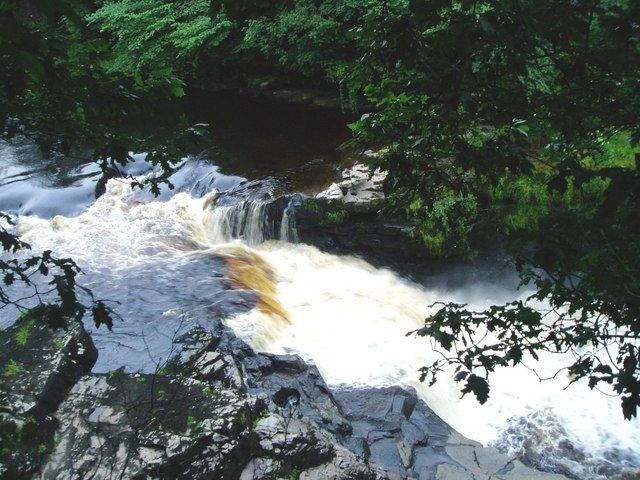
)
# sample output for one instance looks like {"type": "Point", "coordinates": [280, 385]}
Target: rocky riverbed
{"type": "Point", "coordinates": [215, 410]}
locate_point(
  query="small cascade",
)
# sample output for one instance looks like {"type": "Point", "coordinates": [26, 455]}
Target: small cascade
{"type": "Point", "coordinates": [253, 221]}
{"type": "Point", "coordinates": [288, 230]}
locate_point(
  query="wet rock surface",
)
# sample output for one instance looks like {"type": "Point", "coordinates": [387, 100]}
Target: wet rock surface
{"type": "Point", "coordinates": [218, 410]}
{"type": "Point", "coordinates": [167, 426]}
{"type": "Point", "coordinates": [348, 218]}
{"type": "Point", "coordinates": [38, 366]}
{"type": "Point", "coordinates": [394, 428]}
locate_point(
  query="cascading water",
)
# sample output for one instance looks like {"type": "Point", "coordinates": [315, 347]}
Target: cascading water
{"type": "Point", "coordinates": [252, 221]}
{"type": "Point", "coordinates": [165, 260]}
{"type": "Point", "coordinates": [288, 231]}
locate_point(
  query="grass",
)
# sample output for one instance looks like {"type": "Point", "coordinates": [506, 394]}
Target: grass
{"type": "Point", "coordinates": [311, 205]}
{"type": "Point", "coordinates": [617, 151]}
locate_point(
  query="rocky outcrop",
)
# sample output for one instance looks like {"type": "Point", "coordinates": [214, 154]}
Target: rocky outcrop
{"type": "Point", "coordinates": [218, 410]}
{"type": "Point", "coordinates": [394, 428]}
{"type": "Point", "coordinates": [161, 426]}
{"type": "Point", "coordinates": [358, 185]}
{"type": "Point", "coordinates": [349, 218]}
{"type": "Point", "coordinates": [197, 416]}
{"type": "Point", "coordinates": [38, 366]}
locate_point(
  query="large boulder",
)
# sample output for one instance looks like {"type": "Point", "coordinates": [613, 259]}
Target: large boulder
{"type": "Point", "coordinates": [199, 416]}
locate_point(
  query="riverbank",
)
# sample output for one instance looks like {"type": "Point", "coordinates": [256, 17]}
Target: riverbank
{"type": "Point", "coordinates": [217, 409]}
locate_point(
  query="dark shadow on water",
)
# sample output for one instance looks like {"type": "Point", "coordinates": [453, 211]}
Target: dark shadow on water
{"type": "Point", "coordinates": [292, 147]}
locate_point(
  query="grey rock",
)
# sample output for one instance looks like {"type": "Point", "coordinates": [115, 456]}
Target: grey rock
{"type": "Point", "coordinates": [405, 437]}
{"type": "Point", "coordinates": [346, 466]}
{"type": "Point", "coordinates": [299, 442]}
{"type": "Point", "coordinates": [219, 410]}
{"type": "Point", "coordinates": [287, 363]}
{"type": "Point", "coordinates": [358, 185]}
{"type": "Point", "coordinates": [261, 469]}
{"type": "Point", "coordinates": [486, 463]}
{"type": "Point", "coordinates": [123, 425]}
{"type": "Point", "coordinates": [38, 366]}
{"type": "Point", "coordinates": [406, 453]}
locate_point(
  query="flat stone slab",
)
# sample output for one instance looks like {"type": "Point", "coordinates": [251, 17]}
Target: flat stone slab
{"type": "Point", "coordinates": [485, 463]}
{"type": "Point", "coordinates": [403, 435]}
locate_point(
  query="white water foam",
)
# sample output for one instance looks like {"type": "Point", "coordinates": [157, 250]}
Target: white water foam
{"type": "Point", "coordinates": [351, 320]}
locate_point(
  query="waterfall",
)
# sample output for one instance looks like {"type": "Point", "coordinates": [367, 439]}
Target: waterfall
{"type": "Point", "coordinates": [253, 221]}
{"type": "Point", "coordinates": [288, 231]}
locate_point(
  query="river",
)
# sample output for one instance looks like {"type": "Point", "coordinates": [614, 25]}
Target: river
{"type": "Point", "coordinates": [181, 259]}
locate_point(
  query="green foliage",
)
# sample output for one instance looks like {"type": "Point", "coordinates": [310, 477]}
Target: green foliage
{"type": "Point", "coordinates": [294, 474]}
{"type": "Point", "coordinates": [194, 423]}
{"type": "Point", "coordinates": [615, 151]}
{"type": "Point", "coordinates": [243, 419]}
{"type": "Point", "coordinates": [58, 342]}
{"type": "Point", "coordinates": [211, 391]}
{"type": "Point", "coordinates": [334, 218]}
{"type": "Point", "coordinates": [311, 39]}
{"type": "Point", "coordinates": [530, 111]}
{"type": "Point", "coordinates": [311, 205]}
{"type": "Point", "coordinates": [24, 443]}
{"type": "Point", "coordinates": [444, 227]}
{"type": "Point", "coordinates": [16, 439]}
{"type": "Point", "coordinates": [256, 420]}
{"type": "Point", "coordinates": [23, 334]}
{"type": "Point", "coordinates": [150, 35]}
{"type": "Point", "coordinates": [13, 368]}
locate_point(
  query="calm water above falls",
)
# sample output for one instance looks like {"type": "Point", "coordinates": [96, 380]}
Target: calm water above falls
{"type": "Point", "coordinates": [172, 261]}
